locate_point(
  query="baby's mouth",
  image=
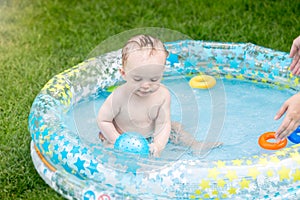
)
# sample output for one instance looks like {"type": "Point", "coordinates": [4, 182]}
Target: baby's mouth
{"type": "Point", "coordinates": [144, 91]}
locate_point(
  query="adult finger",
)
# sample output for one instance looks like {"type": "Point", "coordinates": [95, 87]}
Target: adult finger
{"type": "Point", "coordinates": [279, 135]}
{"type": "Point", "coordinates": [296, 71]}
{"type": "Point", "coordinates": [292, 127]}
{"type": "Point", "coordinates": [294, 66]}
{"type": "Point", "coordinates": [281, 111]}
{"type": "Point", "coordinates": [293, 50]}
{"type": "Point", "coordinates": [289, 130]}
{"type": "Point", "coordinates": [295, 46]}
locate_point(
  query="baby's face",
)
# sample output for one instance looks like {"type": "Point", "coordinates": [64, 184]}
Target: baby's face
{"type": "Point", "coordinates": [143, 72]}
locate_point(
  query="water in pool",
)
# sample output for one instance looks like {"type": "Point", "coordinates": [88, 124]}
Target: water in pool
{"type": "Point", "coordinates": [234, 112]}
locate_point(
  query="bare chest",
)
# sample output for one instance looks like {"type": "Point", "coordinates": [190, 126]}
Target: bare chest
{"type": "Point", "coordinates": [138, 116]}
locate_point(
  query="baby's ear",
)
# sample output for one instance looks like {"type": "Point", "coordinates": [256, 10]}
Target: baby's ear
{"type": "Point", "coordinates": [122, 72]}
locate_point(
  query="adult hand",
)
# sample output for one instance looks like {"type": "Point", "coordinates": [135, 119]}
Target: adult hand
{"type": "Point", "coordinates": [292, 119]}
{"type": "Point", "coordinates": [295, 54]}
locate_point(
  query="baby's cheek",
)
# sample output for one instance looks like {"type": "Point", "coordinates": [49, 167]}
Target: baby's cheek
{"type": "Point", "coordinates": [155, 86]}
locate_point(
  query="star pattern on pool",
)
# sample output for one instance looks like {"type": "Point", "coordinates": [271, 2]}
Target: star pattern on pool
{"type": "Point", "coordinates": [79, 164]}
{"type": "Point", "coordinates": [220, 179]}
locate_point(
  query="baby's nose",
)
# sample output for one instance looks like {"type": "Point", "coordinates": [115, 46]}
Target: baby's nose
{"type": "Point", "coordinates": [145, 85]}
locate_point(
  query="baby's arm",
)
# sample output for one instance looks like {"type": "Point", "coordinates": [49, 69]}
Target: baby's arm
{"type": "Point", "coordinates": [105, 118]}
{"type": "Point", "coordinates": [162, 127]}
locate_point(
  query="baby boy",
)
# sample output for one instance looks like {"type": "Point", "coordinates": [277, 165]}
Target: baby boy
{"type": "Point", "coordinates": [142, 103]}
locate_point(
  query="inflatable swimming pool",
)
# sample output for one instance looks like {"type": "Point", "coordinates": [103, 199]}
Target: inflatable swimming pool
{"type": "Point", "coordinates": [78, 171]}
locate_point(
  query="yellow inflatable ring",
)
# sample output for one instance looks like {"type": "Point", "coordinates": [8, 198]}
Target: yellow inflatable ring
{"type": "Point", "coordinates": [203, 82]}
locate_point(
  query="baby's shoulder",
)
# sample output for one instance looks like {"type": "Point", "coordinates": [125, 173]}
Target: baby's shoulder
{"type": "Point", "coordinates": [117, 95]}
{"type": "Point", "coordinates": [164, 90]}
{"type": "Point", "coordinates": [119, 91]}
{"type": "Point", "coordinates": [164, 93]}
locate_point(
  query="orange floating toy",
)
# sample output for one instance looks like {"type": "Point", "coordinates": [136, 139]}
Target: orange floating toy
{"type": "Point", "coordinates": [263, 141]}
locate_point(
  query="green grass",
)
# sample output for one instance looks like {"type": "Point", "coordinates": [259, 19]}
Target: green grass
{"type": "Point", "coordinates": [39, 39]}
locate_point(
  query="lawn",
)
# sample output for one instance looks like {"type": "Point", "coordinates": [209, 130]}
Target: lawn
{"type": "Point", "coordinates": [39, 39]}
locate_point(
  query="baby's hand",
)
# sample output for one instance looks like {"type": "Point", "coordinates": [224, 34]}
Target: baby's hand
{"type": "Point", "coordinates": [154, 150]}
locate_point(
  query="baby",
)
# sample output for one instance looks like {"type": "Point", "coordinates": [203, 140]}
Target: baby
{"type": "Point", "coordinates": [142, 103]}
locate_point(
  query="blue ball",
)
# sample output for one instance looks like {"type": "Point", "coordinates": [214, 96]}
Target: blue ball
{"type": "Point", "coordinates": [132, 143]}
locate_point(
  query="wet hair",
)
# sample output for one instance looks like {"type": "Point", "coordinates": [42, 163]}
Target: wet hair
{"type": "Point", "coordinates": [142, 42]}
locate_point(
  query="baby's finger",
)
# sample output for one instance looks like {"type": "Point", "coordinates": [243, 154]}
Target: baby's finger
{"type": "Point", "coordinates": [153, 150]}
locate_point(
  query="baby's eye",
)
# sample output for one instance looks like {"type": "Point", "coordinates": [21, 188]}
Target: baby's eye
{"type": "Point", "coordinates": [154, 79]}
{"type": "Point", "coordinates": [137, 78]}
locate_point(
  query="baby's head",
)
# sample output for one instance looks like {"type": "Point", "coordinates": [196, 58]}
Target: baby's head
{"type": "Point", "coordinates": [143, 59]}
{"type": "Point", "coordinates": [143, 44]}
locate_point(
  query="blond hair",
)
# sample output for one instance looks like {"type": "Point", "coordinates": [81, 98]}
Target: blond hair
{"type": "Point", "coordinates": [142, 42]}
